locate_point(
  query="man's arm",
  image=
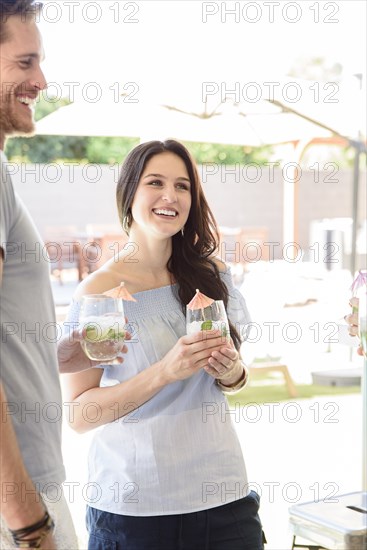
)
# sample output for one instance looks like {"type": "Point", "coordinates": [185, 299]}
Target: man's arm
{"type": "Point", "coordinates": [20, 504]}
{"type": "Point", "coordinates": [17, 512]}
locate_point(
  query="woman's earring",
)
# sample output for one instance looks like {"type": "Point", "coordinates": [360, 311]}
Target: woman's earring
{"type": "Point", "coordinates": [125, 224]}
{"type": "Point", "coordinates": [183, 230]}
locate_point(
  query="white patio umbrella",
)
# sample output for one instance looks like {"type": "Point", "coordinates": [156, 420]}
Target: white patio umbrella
{"type": "Point", "coordinates": [339, 105]}
{"type": "Point", "coordinates": [236, 124]}
{"type": "Point", "coordinates": [93, 119]}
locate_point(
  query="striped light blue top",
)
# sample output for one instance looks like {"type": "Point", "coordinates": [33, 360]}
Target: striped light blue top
{"type": "Point", "coordinates": [179, 452]}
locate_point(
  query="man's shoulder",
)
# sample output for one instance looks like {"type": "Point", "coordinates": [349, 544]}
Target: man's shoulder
{"type": "Point", "coordinates": [3, 159]}
{"type": "Point", "coordinates": [4, 173]}
{"type": "Point", "coordinates": [6, 184]}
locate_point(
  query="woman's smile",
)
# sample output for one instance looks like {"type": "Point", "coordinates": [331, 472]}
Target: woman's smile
{"type": "Point", "coordinates": [164, 187]}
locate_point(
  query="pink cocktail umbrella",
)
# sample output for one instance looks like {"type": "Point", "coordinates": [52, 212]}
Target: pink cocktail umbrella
{"type": "Point", "coordinates": [199, 301]}
{"type": "Point", "coordinates": [120, 292]}
{"type": "Point", "coordinates": [204, 313]}
{"type": "Point", "coordinates": [359, 282]}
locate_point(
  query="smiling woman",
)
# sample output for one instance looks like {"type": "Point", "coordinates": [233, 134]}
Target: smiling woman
{"type": "Point", "coordinates": [163, 175]}
{"type": "Point", "coordinates": [167, 375]}
{"type": "Point", "coordinates": [166, 195]}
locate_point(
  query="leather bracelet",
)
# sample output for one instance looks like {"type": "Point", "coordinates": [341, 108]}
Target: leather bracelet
{"type": "Point", "coordinates": [237, 386]}
{"type": "Point", "coordinates": [46, 524]}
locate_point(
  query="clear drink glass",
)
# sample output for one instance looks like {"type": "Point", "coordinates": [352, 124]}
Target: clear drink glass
{"type": "Point", "coordinates": [213, 317]}
{"type": "Point", "coordinates": [103, 323]}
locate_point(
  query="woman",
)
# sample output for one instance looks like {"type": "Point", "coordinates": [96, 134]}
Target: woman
{"type": "Point", "coordinates": [166, 463]}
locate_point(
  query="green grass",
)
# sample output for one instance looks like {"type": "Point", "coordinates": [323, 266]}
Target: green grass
{"type": "Point", "coordinates": [274, 392]}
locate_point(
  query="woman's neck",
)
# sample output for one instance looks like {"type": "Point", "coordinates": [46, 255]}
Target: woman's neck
{"type": "Point", "coordinates": [150, 256]}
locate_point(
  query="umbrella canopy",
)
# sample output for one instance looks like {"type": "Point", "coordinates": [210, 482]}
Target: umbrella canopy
{"type": "Point", "coordinates": [340, 105]}
{"type": "Point", "coordinates": [236, 124]}
{"type": "Point", "coordinates": [120, 292]}
{"type": "Point", "coordinates": [93, 119]}
{"type": "Point", "coordinates": [231, 123]}
{"type": "Point", "coordinates": [199, 301]}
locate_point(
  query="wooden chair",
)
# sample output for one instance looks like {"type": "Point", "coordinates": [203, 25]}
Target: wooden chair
{"type": "Point", "coordinates": [103, 243]}
{"type": "Point", "coordinates": [64, 250]}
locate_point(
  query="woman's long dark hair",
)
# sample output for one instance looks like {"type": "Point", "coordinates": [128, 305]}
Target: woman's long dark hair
{"type": "Point", "coordinates": [191, 264]}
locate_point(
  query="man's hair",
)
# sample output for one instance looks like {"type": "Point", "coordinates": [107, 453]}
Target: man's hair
{"type": "Point", "coordinates": [19, 8]}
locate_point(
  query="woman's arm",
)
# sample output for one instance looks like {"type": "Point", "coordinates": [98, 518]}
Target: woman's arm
{"type": "Point", "coordinates": [91, 406]}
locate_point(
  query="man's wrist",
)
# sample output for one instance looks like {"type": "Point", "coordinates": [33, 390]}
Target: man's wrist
{"type": "Point", "coordinates": [18, 512]}
{"type": "Point", "coordinates": [33, 535]}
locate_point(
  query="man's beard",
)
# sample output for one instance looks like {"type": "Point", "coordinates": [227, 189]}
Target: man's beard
{"type": "Point", "coordinates": [11, 122]}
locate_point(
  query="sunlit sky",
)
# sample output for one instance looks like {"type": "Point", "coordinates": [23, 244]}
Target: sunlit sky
{"type": "Point", "coordinates": [169, 48]}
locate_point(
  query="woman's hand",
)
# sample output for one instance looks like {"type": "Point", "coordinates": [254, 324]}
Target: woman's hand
{"type": "Point", "coordinates": [190, 354]}
{"type": "Point", "coordinates": [352, 321]}
{"type": "Point", "coordinates": [225, 365]}
{"type": "Point", "coordinates": [71, 356]}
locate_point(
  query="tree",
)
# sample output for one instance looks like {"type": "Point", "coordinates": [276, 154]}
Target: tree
{"type": "Point", "coordinates": [45, 149]}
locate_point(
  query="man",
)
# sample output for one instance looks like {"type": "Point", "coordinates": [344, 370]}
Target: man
{"type": "Point", "coordinates": [32, 470]}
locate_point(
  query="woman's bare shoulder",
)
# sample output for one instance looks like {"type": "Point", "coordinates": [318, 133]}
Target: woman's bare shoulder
{"type": "Point", "coordinates": [105, 278]}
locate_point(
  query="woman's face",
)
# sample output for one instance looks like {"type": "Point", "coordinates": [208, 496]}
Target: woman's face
{"type": "Point", "coordinates": [162, 200]}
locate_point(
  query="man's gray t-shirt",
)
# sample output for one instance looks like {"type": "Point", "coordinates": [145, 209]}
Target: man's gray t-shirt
{"type": "Point", "coordinates": [28, 360]}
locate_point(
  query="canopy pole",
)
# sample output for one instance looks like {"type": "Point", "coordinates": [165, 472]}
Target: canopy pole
{"type": "Point", "coordinates": [291, 201]}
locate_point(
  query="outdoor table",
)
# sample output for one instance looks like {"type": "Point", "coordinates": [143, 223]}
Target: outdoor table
{"type": "Point", "coordinates": [338, 525]}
